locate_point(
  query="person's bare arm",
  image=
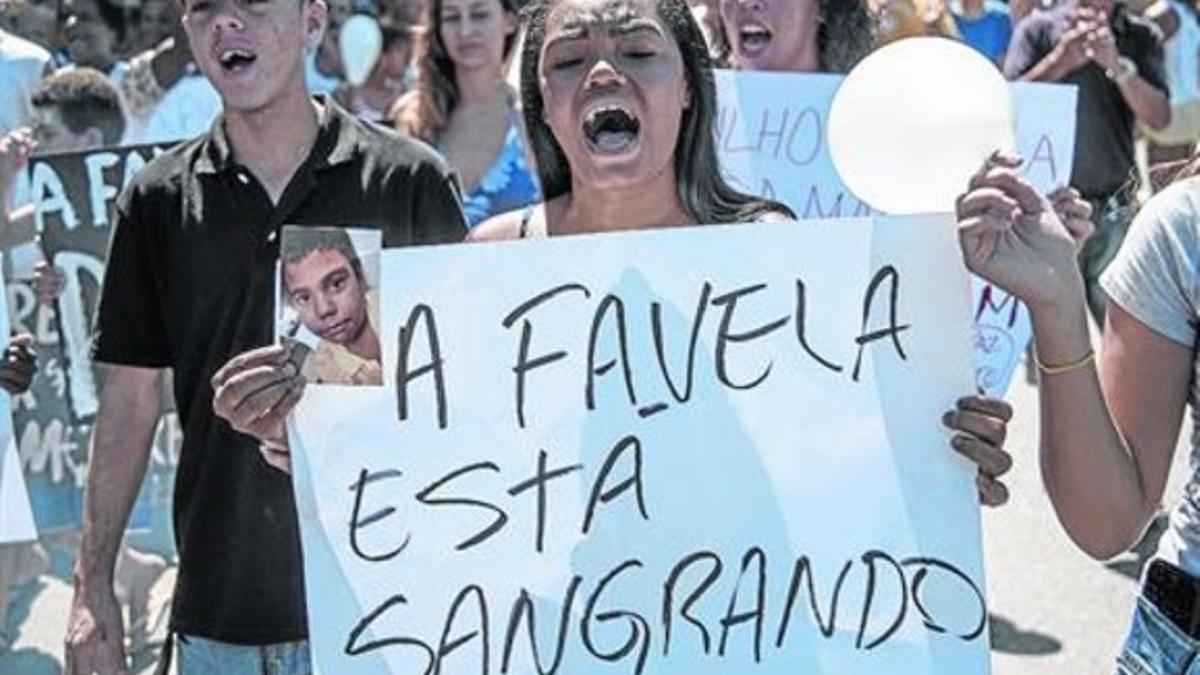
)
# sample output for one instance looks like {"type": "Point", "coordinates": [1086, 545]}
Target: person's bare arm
{"type": "Point", "coordinates": [1107, 439]}
{"type": "Point", "coordinates": [16, 226]}
{"type": "Point", "coordinates": [1149, 103]}
{"type": "Point", "coordinates": [1106, 474]}
{"type": "Point", "coordinates": [121, 440]}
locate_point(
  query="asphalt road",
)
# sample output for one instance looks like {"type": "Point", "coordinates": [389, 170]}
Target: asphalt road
{"type": "Point", "coordinates": [1055, 610]}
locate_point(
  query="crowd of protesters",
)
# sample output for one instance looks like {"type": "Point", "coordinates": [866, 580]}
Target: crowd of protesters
{"type": "Point", "coordinates": [231, 83]}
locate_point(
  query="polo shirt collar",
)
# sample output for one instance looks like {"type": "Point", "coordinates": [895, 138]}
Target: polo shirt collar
{"type": "Point", "coordinates": [337, 141]}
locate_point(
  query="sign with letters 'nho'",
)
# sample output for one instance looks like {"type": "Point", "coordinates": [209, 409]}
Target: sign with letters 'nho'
{"type": "Point", "coordinates": [694, 451]}
{"type": "Point", "coordinates": [771, 139]}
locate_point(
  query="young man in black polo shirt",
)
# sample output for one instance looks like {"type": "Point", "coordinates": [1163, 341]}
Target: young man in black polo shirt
{"type": "Point", "coordinates": [1116, 59]}
{"type": "Point", "coordinates": [190, 286]}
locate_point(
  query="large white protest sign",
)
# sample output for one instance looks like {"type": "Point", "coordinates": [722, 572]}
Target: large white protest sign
{"type": "Point", "coordinates": [772, 141]}
{"type": "Point", "coordinates": [16, 514]}
{"type": "Point", "coordinates": [690, 451]}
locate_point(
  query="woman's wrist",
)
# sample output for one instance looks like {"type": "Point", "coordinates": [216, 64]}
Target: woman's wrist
{"type": "Point", "coordinates": [1060, 287]}
{"type": "Point", "coordinates": [1060, 326]}
{"type": "Point", "coordinates": [1061, 292]}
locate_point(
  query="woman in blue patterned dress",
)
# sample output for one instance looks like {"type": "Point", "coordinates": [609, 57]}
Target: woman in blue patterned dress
{"type": "Point", "coordinates": [463, 105]}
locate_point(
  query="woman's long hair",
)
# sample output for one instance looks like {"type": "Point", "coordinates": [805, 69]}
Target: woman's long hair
{"type": "Point", "coordinates": [701, 188]}
{"type": "Point", "coordinates": [426, 112]}
{"type": "Point", "coordinates": [847, 33]}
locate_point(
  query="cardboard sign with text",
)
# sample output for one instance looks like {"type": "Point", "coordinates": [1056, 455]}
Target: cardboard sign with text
{"type": "Point", "coordinates": [691, 451]}
{"type": "Point", "coordinates": [74, 197]}
{"type": "Point", "coordinates": [772, 142]}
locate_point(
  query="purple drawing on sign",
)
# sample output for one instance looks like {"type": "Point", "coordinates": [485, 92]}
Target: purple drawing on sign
{"type": "Point", "coordinates": [995, 357]}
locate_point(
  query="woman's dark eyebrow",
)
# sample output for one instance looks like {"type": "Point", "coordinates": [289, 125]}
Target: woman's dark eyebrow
{"type": "Point", "coordinates": [634, 25]}
{"type": "Point", "coordinates": [572, 31]}
{"type": "Point", "coordinates": [578, 30]}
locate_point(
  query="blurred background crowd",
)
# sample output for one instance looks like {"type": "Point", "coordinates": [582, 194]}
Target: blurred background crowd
{"type": "Point", "coordinates": [77, 75]}
{"type": "Point", "coordinates": [446, 72]}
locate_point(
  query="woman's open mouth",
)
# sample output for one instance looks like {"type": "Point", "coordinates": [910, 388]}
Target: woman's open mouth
{"type": "Point", "coordinates": [753, 38]}
{"type": "Point", "coordinates": [611, 130]}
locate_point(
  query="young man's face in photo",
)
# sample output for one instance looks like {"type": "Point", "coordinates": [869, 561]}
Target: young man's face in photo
{"type": "Point", "coordinates": [328, 295]}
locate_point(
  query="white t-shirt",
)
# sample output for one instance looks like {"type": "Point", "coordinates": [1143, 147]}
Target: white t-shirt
{"type": "Point", "coordinates": [22, 65]}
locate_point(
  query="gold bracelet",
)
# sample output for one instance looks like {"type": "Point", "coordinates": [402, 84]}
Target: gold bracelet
{"type": "Point", "coordinates": [1067, 367]}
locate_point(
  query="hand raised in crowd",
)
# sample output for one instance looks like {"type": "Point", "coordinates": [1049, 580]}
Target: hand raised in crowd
{"type": "Point", "coordinates": [1011, 236]}
{"type": "Point", "coordinates": [95, 635]}
{"type": "Point", "coordinates": [1102, 49]}
{"type": "Point", "coordinates": [1091, 31]}
{"type": "Point", "coordinates": [16, 148]}
{"type": "Point", "coordinates": [1073, 51]}
{"type": "Point", "coordinates": [48, 282]}
{"type": "Point", "coordinates": [981, 423]}
{"type": "Point", "coordinates": [254, 392]}
{"type": "Point", "coordinates": [19, 364]}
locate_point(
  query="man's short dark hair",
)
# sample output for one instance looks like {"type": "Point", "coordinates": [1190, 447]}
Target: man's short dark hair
{"type": "Point", "coordinates": [85, 98]}
{"type": "Point", "coordinates": [300, 242]}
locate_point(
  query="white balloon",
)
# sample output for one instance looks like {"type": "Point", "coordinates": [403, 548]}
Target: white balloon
{"type": "Point", "coordinates": [360, 42]}
{"type": "Point", "coordinates": [915, 120]}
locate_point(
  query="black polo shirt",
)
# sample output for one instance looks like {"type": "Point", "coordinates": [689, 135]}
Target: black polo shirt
{"type": "Point", "coordinates": [190, 283]}
{"type": "Point", "coordinates": [1104, 154]}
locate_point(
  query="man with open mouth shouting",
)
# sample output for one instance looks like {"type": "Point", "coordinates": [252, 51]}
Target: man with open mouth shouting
{"type": "Point", "coordinates": [190, 286]}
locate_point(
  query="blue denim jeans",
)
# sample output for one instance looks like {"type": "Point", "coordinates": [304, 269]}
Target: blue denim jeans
{"type": "Point", "coordinates": [198, 656]}
{"type": "Point", "coordinates": [1156, 646]}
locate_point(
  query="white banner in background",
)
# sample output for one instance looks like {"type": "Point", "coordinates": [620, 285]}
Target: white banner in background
{"type": "Point", "coordinates": [772, 142]}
